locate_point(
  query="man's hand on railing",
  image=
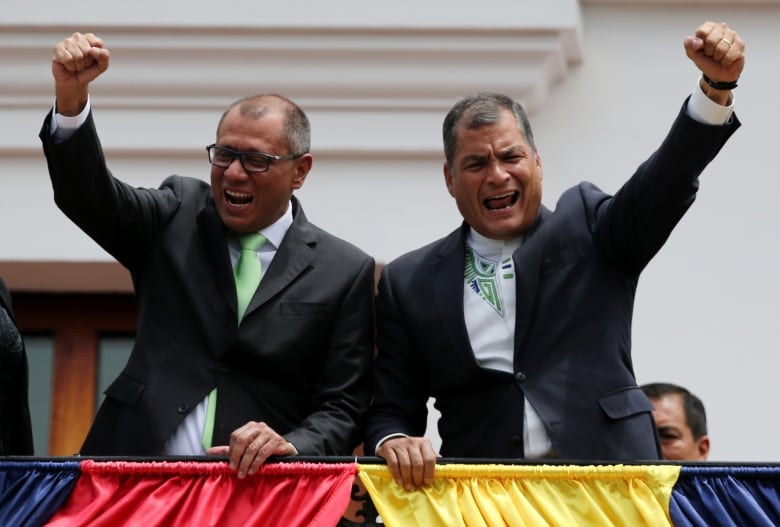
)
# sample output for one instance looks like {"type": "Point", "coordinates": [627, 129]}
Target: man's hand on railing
{"type": "Point", "coordinates": [411, 460]}
{"type": "Point", "coordinates": [251, 445]}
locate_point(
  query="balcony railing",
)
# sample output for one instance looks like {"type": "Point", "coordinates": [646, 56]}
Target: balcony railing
{"type": "Point", "coordinates": [348, 492]}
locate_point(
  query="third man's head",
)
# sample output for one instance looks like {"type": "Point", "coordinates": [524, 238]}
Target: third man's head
{"type": "Point", "coordinates": [681, 421]}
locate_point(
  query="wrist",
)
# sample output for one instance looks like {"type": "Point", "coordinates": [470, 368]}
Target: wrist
{"type": "Point", "coordinates": [69, 103]}
{"type": "Point", "coordinates": [717, 95]}
{"type": "Point", "coordinates": [719, 85]}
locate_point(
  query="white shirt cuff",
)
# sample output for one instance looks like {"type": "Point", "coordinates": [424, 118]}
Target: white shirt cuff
{"type": "Point", "coordinates": [63, 126]}
{"type": "Point", "coordinates": [389, 436]}
{"type": "Point", "coordinates": [707, 111]}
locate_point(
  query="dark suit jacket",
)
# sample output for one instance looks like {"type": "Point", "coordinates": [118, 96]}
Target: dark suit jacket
{"type": "Point", "coordinates": [299, 360]}
{"type": "Point", "coordinates": [576, 275]}
{"type": "Point", "coordinates": [15, 428]}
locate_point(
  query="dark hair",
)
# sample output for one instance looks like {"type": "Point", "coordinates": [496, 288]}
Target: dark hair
{"type": "Point", "coordinates": [297, 129]}
{"type": "Point", "coordinates": [481, 109]}
{"type": "Point", "coordinates": [695, 416]}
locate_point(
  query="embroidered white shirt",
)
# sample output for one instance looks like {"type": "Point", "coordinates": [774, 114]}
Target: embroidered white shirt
{"type": "Point", "coordinates": [489, 304]}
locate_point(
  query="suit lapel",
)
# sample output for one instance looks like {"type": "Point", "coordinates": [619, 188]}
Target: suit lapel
{"type": "Point", "coordinates": [447, 277]}
{"type": "Point", "coordinates": [528, 261]}
{"type": "Point", "coordinates": [295, 254]}
{"type": "Point", "coordinates": [212, 236]}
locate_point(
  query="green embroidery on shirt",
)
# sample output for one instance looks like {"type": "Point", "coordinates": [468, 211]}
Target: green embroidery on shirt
{"type": "Point", "coordinates": [481, 277]}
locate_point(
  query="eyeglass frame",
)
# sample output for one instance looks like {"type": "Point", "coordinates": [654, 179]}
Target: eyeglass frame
{"type": "Point", "coordinates": [241, 153]}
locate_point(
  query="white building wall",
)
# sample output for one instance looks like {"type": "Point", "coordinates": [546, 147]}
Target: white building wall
{"type": "Point", "coordinates": [603, 82]}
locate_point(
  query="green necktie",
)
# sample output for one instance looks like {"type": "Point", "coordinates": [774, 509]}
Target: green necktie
{"type": "Point", "coordinates": [247, 276]}
{"type": "Point", "coordinates": [247, 271]}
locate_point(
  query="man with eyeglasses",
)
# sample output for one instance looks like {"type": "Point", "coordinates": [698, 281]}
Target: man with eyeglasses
{"type": "Point", "coordinates": [290, 376]}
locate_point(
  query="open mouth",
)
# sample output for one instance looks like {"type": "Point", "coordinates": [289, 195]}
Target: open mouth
{"type": "Point", "coordinates": [238, 198]}
{"type": "Point", "coordinates": [502, 201]}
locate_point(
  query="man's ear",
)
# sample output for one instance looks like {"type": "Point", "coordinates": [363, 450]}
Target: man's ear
{"type": "Point", "coordinates": [302, 167]}
{"type": "Point", "coordinates": [448, 179]}
{"type": "Point", "coordinates": [703, 447]}
{"type": "Point", "coordinates": [538, 160]}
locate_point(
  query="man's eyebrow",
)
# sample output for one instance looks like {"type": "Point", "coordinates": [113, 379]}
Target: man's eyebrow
{"type": "Point", "coordinates": [475, 157]}
{"type": "Point", "coordinates": [670, 428]}
{"type": "Point", "coordinates": [511, 149]}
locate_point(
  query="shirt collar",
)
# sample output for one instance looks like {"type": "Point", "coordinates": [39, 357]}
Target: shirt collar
{"type": "Point", "coordinates": [274, 233]}
{"type": "Point", "coordinates": [488, 247]}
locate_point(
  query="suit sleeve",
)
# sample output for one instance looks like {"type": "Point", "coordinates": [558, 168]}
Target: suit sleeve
{"type": "Point", "coordinates": [400, 386]}
{"type": "Point", "coordinates": [343, 388]}
{"type": "Point", "coordinates": [632, 227]}
{"type": "Point", "coordinates": [122, 219]}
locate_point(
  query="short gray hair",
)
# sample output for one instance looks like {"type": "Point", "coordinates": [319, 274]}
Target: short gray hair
{"type": "Point", "coordinates": [297, 129]}
{"type": "Point", "coordinates": [481, 109]}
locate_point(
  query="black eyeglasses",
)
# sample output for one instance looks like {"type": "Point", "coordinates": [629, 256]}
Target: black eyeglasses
{"type": "Point", "coordinates": [222, 157]}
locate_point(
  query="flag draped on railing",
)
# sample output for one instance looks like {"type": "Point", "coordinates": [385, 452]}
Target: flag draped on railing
{"type": "Point", "coordinates": [31, 491]}
{"type": "Point", "coordinates": [533, 495]}
{"type": "Point", "coordinates": [206, 494]}
{"type": "Point", "coordinates": [152, 494]}
{"type": "Point", "coordinates": [714, 496]}
{"type": "Point", "coordinates": [316, 492]}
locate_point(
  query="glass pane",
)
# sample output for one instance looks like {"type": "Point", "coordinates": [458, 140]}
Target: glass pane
{"type": "Point", "coordinates": [113, 353]}
{"type": "Point", "coordinates": [40, 358]}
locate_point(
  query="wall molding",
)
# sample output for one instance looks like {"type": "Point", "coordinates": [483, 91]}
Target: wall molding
{"type": "Point", "coordinates": [343, 76]}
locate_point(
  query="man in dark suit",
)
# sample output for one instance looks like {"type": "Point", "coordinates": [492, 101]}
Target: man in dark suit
{"type": "Point", "coordinates": [290, 376]}
{"type": "Point", "coordinates": [15, 427]}
{"type": "Point", "coordinates": [518, 323]}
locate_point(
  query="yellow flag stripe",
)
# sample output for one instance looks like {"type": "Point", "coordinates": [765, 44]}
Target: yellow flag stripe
{"type": "Point", "coordinates": [532, 495]}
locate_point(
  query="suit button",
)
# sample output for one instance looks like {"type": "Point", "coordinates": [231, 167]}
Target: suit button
{"type": "Point", "coordinates": [520, 376]}
{"type": "Point", "coordinates": [183, 408]}
{"type": "Point", "coordinates": [517, 440]}
{"type": "Point", "coordinates": [223, 368]}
